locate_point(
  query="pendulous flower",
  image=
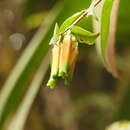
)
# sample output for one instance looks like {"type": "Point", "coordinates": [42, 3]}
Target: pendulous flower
{"type": "Point", "coordinates": [65, 51]}
{"type": "Point", "coordinates": [64, 56]}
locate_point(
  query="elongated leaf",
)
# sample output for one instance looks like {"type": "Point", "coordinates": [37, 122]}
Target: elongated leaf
{"type": "Point", "coordinates": [84, 36]}
{"type": "Point", "coordinates": [107, 27]}
{"type": "Point", "coordinates": [15, 86]}
{"type": "Point", "coordinates": [21, 115]}
{"type": "Point", "coordinates": [110, 56]}
{"type": "Point", "coordinates": [56, 30]}
{"type": "Point", "coordinates": [69, 21]}
{"type": "Point", "coordinates": [55, 36]}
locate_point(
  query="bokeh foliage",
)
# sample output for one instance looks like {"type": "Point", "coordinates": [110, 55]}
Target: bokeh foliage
{"type": "Point", "coordinates": [93, 100]}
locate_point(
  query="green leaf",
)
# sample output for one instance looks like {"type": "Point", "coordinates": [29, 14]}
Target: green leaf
{"type": "Point", "coordinates": [55, 37]}
{"type": "Point", "coordinates": [15, 85]}
{"type": "Point", "coordinates": [84, 36]}
{"type": "Point", "coordinates": [68, 22]}
{"type": "Point", "coordinates": [107, 13]}
{"type": "Point", "coordinates": [105, 25]}
{"type": "Point", "coordinates": [108, 33]}
{"type": "Point", "coordinates": [19, 119]}
{"type": "Point", "coordinates": [56, 30]}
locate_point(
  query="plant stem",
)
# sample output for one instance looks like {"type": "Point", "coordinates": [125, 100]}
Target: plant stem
{"type": "Point", "coordinates": [97, 3]}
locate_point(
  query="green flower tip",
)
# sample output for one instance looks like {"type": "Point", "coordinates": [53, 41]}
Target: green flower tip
{"type": "Point", "coordinates": [51, 83]}
{"type": "Point", "coordinates": [62, 74]}
{"type": "Point", "coordinates": [68, 80]}
{"type": "Point", "coordinates": [64, 69]}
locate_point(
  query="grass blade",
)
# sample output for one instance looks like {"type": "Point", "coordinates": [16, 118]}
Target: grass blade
{"type": "Point", "coordinates": [15, 86]}
{"type": "Point", "coordinates": [21, 115]}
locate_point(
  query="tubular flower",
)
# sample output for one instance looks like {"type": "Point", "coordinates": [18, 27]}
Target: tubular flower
{"type": "Point", "coordinates": [54, 66]}
{"type": "Point", "coordinates": [68, 55]}
{"type": "Point", "coordinates": [63, 60]}
{"type": "Point", "coordinates": [65, 50]}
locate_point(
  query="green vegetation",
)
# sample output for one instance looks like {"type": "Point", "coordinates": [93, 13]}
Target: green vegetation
{"type": "Point", "coordinates": [97, 87]}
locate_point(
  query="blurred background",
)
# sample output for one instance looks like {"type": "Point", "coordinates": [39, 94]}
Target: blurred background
{"type": "Point", "coordinates": [94, 99]}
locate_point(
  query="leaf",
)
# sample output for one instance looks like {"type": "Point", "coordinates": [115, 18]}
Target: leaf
{"type": "Point", "coordinates": [84, 36]}
{"type": "Point", "coordinates": [55, 37]}
{"type": "Point", "coordinates": [68, 22]}
{"type": "Point", "coordinates": [56, 30]}
{"type": "Point", "coordinates": [110, 55]}
{"type": "Point", "coordinates": [15, 85]}
{"type": "Point", "coordinates": [19, 119]}
{"type": "Point", "coordinates": [107, 27]}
